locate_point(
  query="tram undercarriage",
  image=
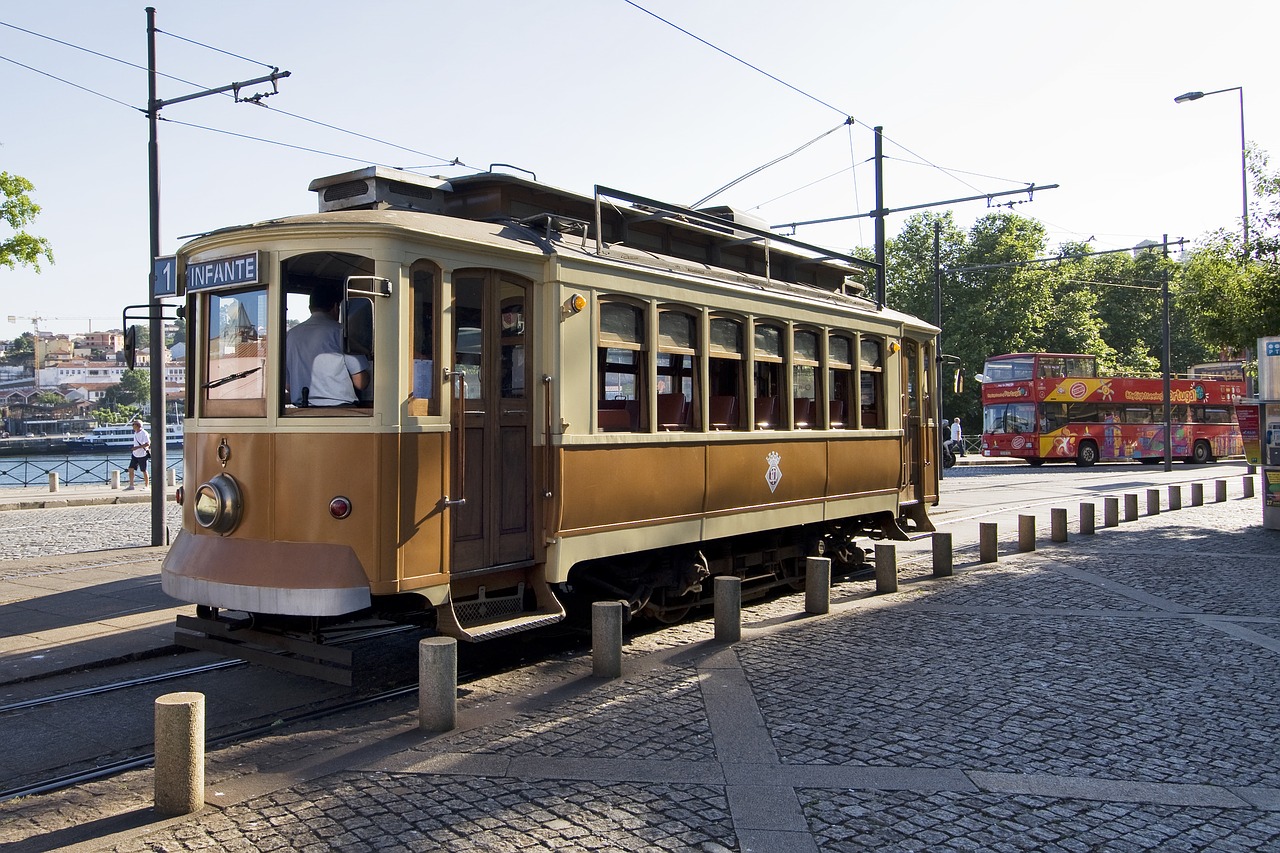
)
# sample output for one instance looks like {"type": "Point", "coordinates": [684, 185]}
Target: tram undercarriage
{"type": "Point", "coordinates": [666, 584]}
{"type": "Point", "coordinates": [663, 584]}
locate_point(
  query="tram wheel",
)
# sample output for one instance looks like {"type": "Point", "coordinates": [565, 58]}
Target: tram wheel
{"type": "Point", "coordinates": [673, 611]}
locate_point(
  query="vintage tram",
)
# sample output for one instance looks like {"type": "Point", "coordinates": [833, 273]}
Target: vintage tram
{"type": "Point", "coordinates": [568, 397]}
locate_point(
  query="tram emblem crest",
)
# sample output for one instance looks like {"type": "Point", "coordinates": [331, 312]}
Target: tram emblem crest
{"type": "Point", "coordinates": [773, 475]}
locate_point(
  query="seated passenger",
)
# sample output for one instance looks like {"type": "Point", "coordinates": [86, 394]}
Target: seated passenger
{"type": "Point", "coordinates": [317, 372]}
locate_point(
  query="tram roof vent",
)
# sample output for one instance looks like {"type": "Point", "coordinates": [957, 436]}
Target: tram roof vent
{"type": "Point", "coordinates": [734, 215]}
{"type": "Point", "coordinates": [380, 188]}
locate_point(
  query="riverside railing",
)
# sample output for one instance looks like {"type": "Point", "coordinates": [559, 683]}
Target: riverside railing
{"type": "Point", "coordinates": [78, 469]}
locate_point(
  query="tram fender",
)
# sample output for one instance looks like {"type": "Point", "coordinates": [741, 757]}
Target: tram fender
{"type": "Point", "coordinates": [287, 578]}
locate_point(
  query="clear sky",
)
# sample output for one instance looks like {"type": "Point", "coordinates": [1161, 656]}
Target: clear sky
{"type": "Point", "coordinates": [974, 97]}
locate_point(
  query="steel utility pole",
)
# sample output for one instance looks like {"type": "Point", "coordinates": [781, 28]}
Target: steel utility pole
{"type": "Point", "coordinates": [159, 436]}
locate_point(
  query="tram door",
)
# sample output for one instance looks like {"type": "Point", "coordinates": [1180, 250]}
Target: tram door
{"type": "Point", "coordinates": [491, 397]}
{"type": "Point", "coordinates": [912, 422]}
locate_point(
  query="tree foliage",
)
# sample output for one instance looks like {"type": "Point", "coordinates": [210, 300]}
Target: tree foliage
{"type": "Point", "coordinates": [1003, 290]}
{"type": "Point", "coordinates": [1231, 290]}
{"type": "Point", "coordinates": [17, 210]}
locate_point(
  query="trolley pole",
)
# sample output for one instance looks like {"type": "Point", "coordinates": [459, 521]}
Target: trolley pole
{"type": "Point", "coordinates": [159, 431]}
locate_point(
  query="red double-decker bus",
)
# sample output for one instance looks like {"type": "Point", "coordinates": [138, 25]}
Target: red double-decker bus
{"type": "Point", "coordinates": [1054, 406]}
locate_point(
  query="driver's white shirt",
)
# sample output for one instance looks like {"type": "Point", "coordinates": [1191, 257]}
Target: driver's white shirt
{"type": "Point", "coordinates": [314, 360]}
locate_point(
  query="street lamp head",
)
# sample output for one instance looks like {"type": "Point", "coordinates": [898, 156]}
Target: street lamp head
{"type": "Point", "coordinates": [1189, 96]}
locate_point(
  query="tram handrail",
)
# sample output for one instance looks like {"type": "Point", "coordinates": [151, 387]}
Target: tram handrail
{"type": "Point", "coordinates": [459, 436]}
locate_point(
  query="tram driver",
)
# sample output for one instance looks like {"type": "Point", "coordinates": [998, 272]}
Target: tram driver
{"type": "Point", "coordinates": [317, 371]}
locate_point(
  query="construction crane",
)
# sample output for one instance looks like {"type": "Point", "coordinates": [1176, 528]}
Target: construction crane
{"type": "Point", "coordinates": [36, 321]}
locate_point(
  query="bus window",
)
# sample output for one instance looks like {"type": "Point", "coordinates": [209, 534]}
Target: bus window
{"type": "Point", "coordinates": [1009, 369]}
{"type": "Point", "coordinates": [725, 408]}
{"type": "Point", "coordinates": [1081, 366]}
{"type": "Point", "coordinates": [840, 380]}
{"type": "Point", "coordinates": [1052, 368]}
{"type": "Point", "coordinates": [804, 380]}
{"type": "Point", "coordinates": [235, 327]}
{"type": "Point", "coordinates": [677, 356]}
{"type": "Point", "coordinates": [767, 371]}
{"type": "Point", "coordinates": [871, 384]}
{"type": "Point", "coordinates": [423, 399]}
{"type": "Point", "coordinates": [621, 369]}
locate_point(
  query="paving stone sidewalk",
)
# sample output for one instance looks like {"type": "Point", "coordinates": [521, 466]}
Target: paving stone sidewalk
{"type": "Point", "coordinates": [1114, 693]}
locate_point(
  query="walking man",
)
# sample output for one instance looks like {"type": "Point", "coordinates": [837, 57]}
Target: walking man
{"type": "Point", "coordinates": [957, 437]}
{"type": "Point", "coordinates": [139, 455]}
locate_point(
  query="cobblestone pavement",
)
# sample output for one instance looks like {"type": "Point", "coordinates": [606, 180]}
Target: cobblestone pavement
{"type": "Point", "coordinates": [1117, 692]}
{"type": "Point", "coordinates": [27, 533]}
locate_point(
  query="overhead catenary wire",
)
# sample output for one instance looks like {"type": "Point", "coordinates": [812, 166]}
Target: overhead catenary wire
{"type": "Point", "coordinates": [443, 160]}
{"type": "Point", "coordinates": [772, 162]}
{"type": "Point", "coordinates": [797, 90]}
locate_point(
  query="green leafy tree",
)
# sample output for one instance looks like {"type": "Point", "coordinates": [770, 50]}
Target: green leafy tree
{"type": "Point", "coordinates": [115, 412]}
{"type": "Point", "coordinates": [17, 210]}
{"type": "Point", "coordinates": [1234, 298]}
{"type": "Point", "coordinates": [135, 386]}
{"type": "Point", "coordinates": [22, 350]}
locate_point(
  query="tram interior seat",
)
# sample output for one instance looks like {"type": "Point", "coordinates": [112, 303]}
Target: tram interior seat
{"type": "Point", "coordinates": [766, 412]}
{"type": "Point", "coordinates": [803, 410]}
{"type": "Point", "coordinates": [723, 412]}
{"type": "Point", "coordinates": [837, 413]}
{"type": "Point", "coordinates": [673, 412]}
{"type": "Point", "coordinates": [613, 420]}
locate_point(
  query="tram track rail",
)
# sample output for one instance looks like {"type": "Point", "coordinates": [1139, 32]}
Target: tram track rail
{"type": "Point", "coordinates": [117, 685]}
{"type": "Point", "coordinates": [488, 665]}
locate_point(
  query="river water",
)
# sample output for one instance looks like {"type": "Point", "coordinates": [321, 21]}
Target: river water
{"type": "Point", "coordinates": [73, 468]}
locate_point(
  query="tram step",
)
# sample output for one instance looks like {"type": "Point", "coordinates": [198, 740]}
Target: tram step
{"type": "Point", "coordinates": [489, 617]}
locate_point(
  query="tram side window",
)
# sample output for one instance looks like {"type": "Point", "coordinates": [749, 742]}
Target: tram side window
{"type": "Point", "coordinates": [677, 377]}
{"type": "Point", "coordinates": [621, 369]}
{"type": "Point", "coordinates": [767, 370]}
{"type": "Point", "coordinates": [871, 383]}
{"type": "Point", "coordinates": [804, 381]}
{"type": "Point", "coordinates": [423, 399]}
{"type": "Point", "coordinates": [235, 326]}
{"type": "Point", "coordinates": [840, 380]}
{"type": "Point", "coordinates": [725, 408]}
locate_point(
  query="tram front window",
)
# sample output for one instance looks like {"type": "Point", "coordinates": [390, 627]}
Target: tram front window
{"type": "Point", "coordinates": [235, 329]}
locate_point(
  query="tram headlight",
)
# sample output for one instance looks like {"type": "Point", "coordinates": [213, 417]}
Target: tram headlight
{"type": "Point", "coordinates": [218, 505]}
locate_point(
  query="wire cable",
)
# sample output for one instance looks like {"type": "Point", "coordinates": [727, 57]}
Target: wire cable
{"type": "Point", "coordinates": [772, 162]}
{"type": "Point", "coordinates": [217, 49]}
{"type": "Point", "coordinates": [74, 85]}
{"type": "Point", "coordinates": [754, 68]}
{"type": "Point", "coordinates": [271, 141]}
{"type": "Point", "coordinates": [795, 89]}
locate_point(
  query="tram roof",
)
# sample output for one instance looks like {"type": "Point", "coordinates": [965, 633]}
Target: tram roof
{"type": "Point", "coordinates": [515, 214]}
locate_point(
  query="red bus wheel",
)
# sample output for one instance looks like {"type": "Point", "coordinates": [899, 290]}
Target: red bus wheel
{"type": "Point", "coordinates": [1088, 454]}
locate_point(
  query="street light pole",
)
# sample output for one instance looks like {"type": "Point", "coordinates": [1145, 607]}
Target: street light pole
{"type": "Point", "coordinates": [1244, 154]}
